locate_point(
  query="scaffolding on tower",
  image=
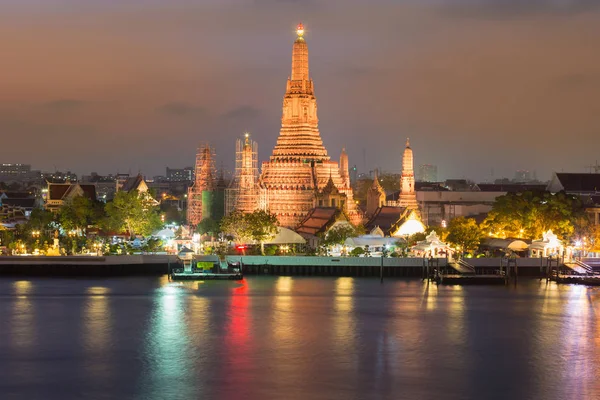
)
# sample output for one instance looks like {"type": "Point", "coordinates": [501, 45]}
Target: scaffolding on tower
{"type": "Point", "coordinates": [244, 193]}
{"type": "Point", "coordinates": [200, 193]}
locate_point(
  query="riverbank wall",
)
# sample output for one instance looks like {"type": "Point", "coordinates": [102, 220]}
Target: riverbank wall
{"type": "Point", "coordinates": [157, 265]}
{"type": "Point", "coordinates": [374, 266]}
{"type": "Point", "coordinates": [84, 266]}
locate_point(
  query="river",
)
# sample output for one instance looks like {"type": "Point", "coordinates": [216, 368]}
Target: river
{"type": "Point", "coordinates": [296, 338]}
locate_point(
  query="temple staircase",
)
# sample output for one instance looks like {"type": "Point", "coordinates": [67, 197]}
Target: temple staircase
{"type": "Point", "coordinates": [462, 267]}
{"type": "Point", "coordinates": [579, 267]}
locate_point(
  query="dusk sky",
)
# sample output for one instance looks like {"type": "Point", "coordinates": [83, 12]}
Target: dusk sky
{"type": "Point", "coordinates": [135, 85]}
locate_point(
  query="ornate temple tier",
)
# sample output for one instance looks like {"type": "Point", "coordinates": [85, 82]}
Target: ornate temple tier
{"type": "Point", "coordinates": [300, 166]}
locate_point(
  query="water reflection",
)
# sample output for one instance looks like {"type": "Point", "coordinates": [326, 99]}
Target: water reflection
{"type": "Point", "coordinates": [575, 338]}
{"type": "Point", "coordinates": [430, 296]}
{"type": "Point", "coordinates": [97, 332]}
{"type": "Point", "coordinates": [286, 340]}
{"type": "Point", "coordinates": [282, 311]}
{"type": "Point", "coordinates": [167, 347]}
{"type": "Point", "coordinates": [344, 322]}
{"type": "Point", "coordinates": [457, 328]}
{"type": "Point", "coordinates": [238, 339]}
{"type": "Point", "coordinates": [22, 324]}
{"type": "Point", "coordinates": [298, 338]}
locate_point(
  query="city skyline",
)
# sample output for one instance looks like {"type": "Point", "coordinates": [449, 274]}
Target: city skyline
{"type": "Point", "coordinates": [137, 86]}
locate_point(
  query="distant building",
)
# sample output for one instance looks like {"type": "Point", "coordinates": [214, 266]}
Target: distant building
{"type": "Point", "coordinates": [180, 174]}
{"type": "Point", "coordinates": [18, 173]}
{"type": "Point", "coordinates": [14, 170]}
{"type": "Point", "coordinates": [121, 179]}
{"type": "Point", "coordinates": [106, 186]}
{"type": "Point", "coordinates": [60, 177]}
{"type": "Point", "coordinates": [460, 185]}
{"type": "Point", "coordinates": [14, 201]}
{"type": "Point", "coordinates": [427, 173]}
{"type": "Point", "coordinates": [522, 176]}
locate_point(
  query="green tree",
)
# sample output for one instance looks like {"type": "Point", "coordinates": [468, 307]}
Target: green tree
{"type": "Point", "coordinates": [257, 226]}
{"type": "Point", "coordinates": [338, 235]}
{"type": "Point", "coordinates": [208, 226]}
{"type": "Point", "coordinates": [263, 226]}
{"type": "Point", "coordinates": [465, 234]}
{"type": "Point", "coordinates": [41, 219]}
{"type": "Point", "coordinates": [236, 225]}
{"type": "Point", "coordinates": [529, 214]}
{"type": "Point", "coordinates": [76, 214]}
{"type": "Point", "coordinates": [133, 212]}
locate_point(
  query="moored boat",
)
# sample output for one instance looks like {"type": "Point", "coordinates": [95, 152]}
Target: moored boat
{"type": "Point", "coordinates": [200, 267]}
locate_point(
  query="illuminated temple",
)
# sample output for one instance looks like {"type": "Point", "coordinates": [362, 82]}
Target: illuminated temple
{"type": "Point", "coordinates": [300, 176]}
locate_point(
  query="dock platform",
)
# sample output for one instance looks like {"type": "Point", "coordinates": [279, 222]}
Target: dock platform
{"type": "Point", "coordinates": [472, 280]}
{"type": "Point", "coordinates": [577, 279]}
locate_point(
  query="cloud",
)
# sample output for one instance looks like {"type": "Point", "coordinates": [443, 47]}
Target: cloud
{"type": "Point", "coordinates": [242, 113]}
{"type": "Point", "coordinates": [506, 9]}
{"type": "Point", "coordinates": [182, 109]}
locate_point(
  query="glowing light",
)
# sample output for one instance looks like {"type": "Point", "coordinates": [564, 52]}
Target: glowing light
{"type": "Point", "coordinates": [98, 290]}
{"type": "Point", "coordinates": [300, 30]}
{"type": "Point", "coordinates": [410, 227]}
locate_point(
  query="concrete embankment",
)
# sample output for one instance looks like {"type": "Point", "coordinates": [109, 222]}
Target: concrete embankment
{"type": "Point", "coordinates": [152, 265]}
{"type": "Point", "coordinates": [371, 266]}
{"type": "Point", "coordinates": [155, 265]}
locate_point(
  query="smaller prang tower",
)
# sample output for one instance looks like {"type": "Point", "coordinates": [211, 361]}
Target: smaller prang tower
{"type": "Point", "coordinates": [244, 193]}
{"type": "Point", "coordinates": [408, 196]}
{"type": "Point", "coordinates": [201, 193]}
{"type": "Point", "coordinates": [375, 196]}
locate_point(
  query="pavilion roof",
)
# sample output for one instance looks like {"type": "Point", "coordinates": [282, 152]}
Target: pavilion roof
{"type": "Point", "coordinates": [386, 218]}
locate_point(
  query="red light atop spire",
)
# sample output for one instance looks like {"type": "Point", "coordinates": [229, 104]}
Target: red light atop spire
{"type": "Point", "coordinates": [300, 30]}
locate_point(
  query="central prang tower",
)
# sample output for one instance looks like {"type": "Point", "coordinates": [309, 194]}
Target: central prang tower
{"type": "Point", "coordinates": [300, 167]}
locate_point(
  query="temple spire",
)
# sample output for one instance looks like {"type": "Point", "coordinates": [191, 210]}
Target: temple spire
{"type": "Point", "coordinates": [300, 57]}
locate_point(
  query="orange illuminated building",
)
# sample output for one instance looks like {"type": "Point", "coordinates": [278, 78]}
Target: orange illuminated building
{"type": "Point", "coordinates": [300, 168]}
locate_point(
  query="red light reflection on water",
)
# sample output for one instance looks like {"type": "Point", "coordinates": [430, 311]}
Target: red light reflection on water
{"type": "Point", "coordinates": [237, 339]}
{"type": "Point", "coordinates": [238, 327]}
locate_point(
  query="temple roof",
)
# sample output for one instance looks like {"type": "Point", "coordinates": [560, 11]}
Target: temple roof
{"type": "Point", "coordinates": [132, 183]}
{"type": "Point", "coordinates": [386, 218]}
{"type": "Point", "coordinates": [319, 219]}
{"type": "Point", "coordinates": [59, 191]}
{"type": "Point", "coordinates": [24, 202]}
{"type": "Point", "coordinates": [376, 186]}
{"type": "Point", "coordinates": [578, 182]}
{"type": "Point", "coordinates": [330, 188]}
